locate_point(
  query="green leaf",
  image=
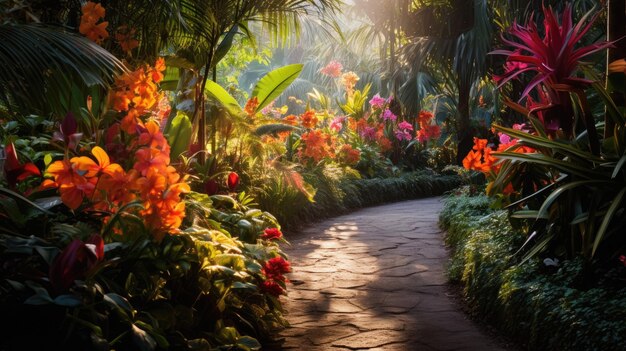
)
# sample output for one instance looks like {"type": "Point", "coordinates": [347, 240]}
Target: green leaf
{"type": "Point", "coordinates": [179, 135]}
{"type": "Point", "coordinates": [68, 300]}
{"type": "Point", "coordinates": [527, 214]}
{"type": "Point", "coordinates": [545, 207]}
{"type": "Point", "coordinates": [143, 339]}
{"type": "Point", "coordinates": [607, 220]}
{"type": "Point", "coordinates": [223, 97]}
{"type": "Point", "coordinates": [274, 83]}
{"type": "Point", "coordinates": [224, 47]}
{"type": "Point", "coordinates": [273, 129]}
{"type": "Point", "coordinates": [118, 301]}
{"type": "Point", "coordinates": [618, 167]}
{"type": "Point", "coordinates": [248, 343]}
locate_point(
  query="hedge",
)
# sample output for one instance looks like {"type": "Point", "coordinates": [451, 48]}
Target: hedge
{"type": "Point", "coordinates": [540, 306]}
{"type": "Point", "coordinates": [335, 196]}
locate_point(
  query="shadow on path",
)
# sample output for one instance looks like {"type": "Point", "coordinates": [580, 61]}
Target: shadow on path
{"type": "Point", "coordinates": [374, 280]}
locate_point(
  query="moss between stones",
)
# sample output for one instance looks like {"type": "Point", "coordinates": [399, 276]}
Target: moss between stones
{"type": "Point", "coordinates": [539, 307]}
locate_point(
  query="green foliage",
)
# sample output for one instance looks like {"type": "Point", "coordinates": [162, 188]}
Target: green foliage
{"type": "Point", "coordinates": [274, 83]}
{"type": "Point", "coordinates": [200, 287]}
{"type": "Point", "coordinates": [338, 191]}
{"type": "Point", "coordinates": [179, 134]}
{"type": "Point", "coordinates": [543, 305]}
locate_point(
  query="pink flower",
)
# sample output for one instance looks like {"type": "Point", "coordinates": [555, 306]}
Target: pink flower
{"type": "Point", "coordinates": [504, 139]}
{"type": "Point", "coordinates": [377, 102]}
{"type": "Point", "coordinates": [333, 69]}
{"type": "Point", "coordinates": [369, 133]}
{"type": "Point", "coordinates": [404, 125]}
{"type": "Point", "coordinates": [388, 115]}
{"type": "Point", "coordinates": [403, 135]}
{"type": "Point", "coordinates": [337, 124]}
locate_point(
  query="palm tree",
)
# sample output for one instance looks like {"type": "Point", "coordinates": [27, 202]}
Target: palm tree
{"type": "Point", "coordinates": [213, 24]}
{"type": "Point", "coordinates": [44, 66]}
{"type": "Point", "coordinates": [465, 55]}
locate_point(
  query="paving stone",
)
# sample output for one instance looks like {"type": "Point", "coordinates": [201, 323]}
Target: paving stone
{"type": "Point", "coordinates": [374, 280]}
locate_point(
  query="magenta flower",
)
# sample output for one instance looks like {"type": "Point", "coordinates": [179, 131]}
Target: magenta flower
{"type": "Point", "coordinates": [389, 116]}
{"type": "Point", "coordinates": [554, 57]}
{"type": "Point", "coordinates": [403, 135]}
{"type": "Point", "coordinates": [377, 102]}
{"type": "Point", "coordinates": [369, 133]}
{"type": "Point", "coordinates": [404, 125]}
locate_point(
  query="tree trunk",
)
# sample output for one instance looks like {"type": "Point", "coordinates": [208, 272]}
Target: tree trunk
{"type": "Point", "coordinates": [616, 30]}
{"type": "Point", "coordinates": [464, 132]}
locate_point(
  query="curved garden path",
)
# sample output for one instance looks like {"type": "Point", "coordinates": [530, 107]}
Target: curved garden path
{"type": "Point", "coordinates": [374, 280]}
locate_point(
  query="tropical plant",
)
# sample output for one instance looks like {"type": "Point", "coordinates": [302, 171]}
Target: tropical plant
{"type": "Point", "coordinates": [573, 181]}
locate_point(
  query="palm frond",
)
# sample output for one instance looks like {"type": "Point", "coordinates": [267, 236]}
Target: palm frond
{"type": "Point", "coordinates": [37, 60]}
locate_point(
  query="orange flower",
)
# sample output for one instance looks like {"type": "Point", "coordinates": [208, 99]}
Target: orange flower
{"type": "Point", "coordinates": [148, 159]}
{"type": "Point", "coordinates": [309, 119]}
{"type": "Point", "coordinates": [159, 68]}
{"type": "Point", "coordinates": [472, 161]}
{"type": "Point", "coordinates": [73, 187]}
{"type": "Point", "coordinates": [348, 155]}
{"type": "Point", "coordinates": [251, 106]}
{"type": "Point", "coordinates": [291, 120]}
{"type": "Point", "coordinates": [92, 13]}
{"type": "Point", "coordinates": [479, 144]}
{"type": "Point", "coordinates": [126, 38]}
{"type": "Point", "coordinates": [152, 137]}
{"type": "Point", "coordinates": [316, 145]}
{"type": "Point", "coordinates": [348, 80]}
{"type": "Point", "coordinates": [86, 167]}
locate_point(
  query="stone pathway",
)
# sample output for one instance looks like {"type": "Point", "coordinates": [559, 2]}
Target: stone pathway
{"type": "Point", "coordinates": [374, 280]}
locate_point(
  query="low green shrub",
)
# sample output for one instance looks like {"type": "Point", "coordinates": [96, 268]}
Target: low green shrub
{"type": "Point", "coordinates": [338, 192]}
{"type": "Point", "coordinates": [542, 304]}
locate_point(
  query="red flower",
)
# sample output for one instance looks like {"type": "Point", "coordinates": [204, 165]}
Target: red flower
{"type": "Point", "coordinates": [272, 234]}
{"type": "Point", "coordinates": [622, 259]}
{"type": "Point", "coordinates": [15, 171]}
{"type": "Point", "coordinates": [273, 288]}
{"type": "Point", "coordinates": [233, 181]}
{"type": "Point", "coordinates": [76, 260]}
{"type": "Point", "coordinates": [275, 268]}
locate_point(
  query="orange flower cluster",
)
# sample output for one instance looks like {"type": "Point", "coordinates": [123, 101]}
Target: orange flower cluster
{"type": "Point", "coordinates": [92, 13]}
{"type": "Point", "coordinates": [308, 119]}
{"type": "Point", "coordinates": [480, 158]}
{"type": "Point", "coordinates": [126, 38]}
{"type": "Point", "coordinates": [348, 80]}
{"type": "Point", "coordinates": [428, 130]}
{"type": "Point", "coordinates": [316, 145]}
{"type": "Point", "coordinates": [291, 120]}
{"type": "Point", "coordinates": [348, 155]}
{"type": "Point", "coordinates": [251, 106]}
{"type": "Point", "coordinates": [107, 186]}
{"type": "Point", "coordinates": [136, 93]}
